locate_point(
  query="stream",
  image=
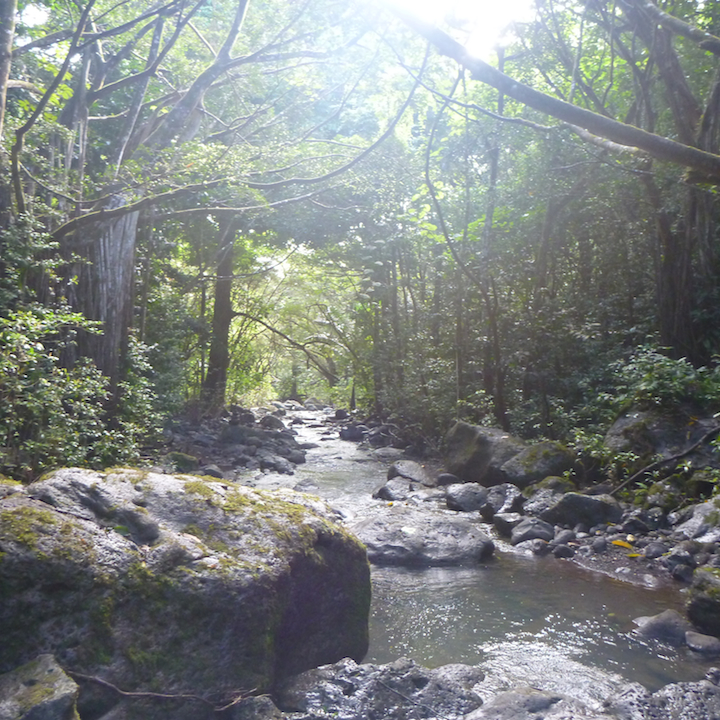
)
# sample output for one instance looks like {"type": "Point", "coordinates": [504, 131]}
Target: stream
{"type": "Point", "coordinates": [521, 619]}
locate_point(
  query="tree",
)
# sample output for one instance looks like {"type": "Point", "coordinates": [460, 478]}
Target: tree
{"type": "Point", "coordinates": [636, 48]}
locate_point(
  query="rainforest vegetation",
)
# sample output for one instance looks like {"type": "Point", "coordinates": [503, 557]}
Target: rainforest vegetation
{"type": "Point", "coordinates": [206, 202]}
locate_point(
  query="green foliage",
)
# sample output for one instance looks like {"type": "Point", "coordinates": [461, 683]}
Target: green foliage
{"type": "Point", "coordinates": [51, 415]}
{"type": "Point", "coordinates": [650, 378]}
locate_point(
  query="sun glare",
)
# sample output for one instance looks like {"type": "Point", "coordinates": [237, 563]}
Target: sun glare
{"type": "Point", "coordinates": [482, 25]}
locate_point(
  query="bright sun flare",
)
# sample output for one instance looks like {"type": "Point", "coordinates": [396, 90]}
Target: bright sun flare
{"type": "Point", "coordinates": [485, 23]}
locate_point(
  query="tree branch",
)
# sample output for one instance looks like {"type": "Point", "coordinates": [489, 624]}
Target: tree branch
{"type": "Point", "coordinates": [706, 164]}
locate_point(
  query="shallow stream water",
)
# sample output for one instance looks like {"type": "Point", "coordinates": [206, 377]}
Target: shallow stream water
{"type": "Point", "coordinates": [522, 619]}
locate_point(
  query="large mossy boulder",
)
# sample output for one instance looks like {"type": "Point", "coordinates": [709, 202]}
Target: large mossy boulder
{"type": "Point", "coordinates": [537, 462]}
{"type": "Point", "coordinates": [476, 454]}
{"type": "Point", "coordinates": [662, 432]}
{"type": "Point", "coordinates": [177, 584]}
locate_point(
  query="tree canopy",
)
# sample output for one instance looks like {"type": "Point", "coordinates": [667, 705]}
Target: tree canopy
{"type": "Point", "coordinates": [211, 202]}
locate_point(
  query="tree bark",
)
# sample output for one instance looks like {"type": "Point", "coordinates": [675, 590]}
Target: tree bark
{"type": "Point", "coordinates": [104, 292]}
{"type": "Point", "coordinates": [215, 382]}
{"type": "Point", "coordinates": [8, 9]}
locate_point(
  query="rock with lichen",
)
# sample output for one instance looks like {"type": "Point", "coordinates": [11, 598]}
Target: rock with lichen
{"type": "Point", "coordinates": [39, 690]}
{"type": "Point", "coordinates": [177, 583]}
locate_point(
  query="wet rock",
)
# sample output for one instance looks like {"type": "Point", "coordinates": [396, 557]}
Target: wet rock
{"type": "Point", "coordinates": [705, 645]}
{"type": "Point", "coordinates": [703, 522]}
{"type": "Point", "coordinates": [599, 545]}
{"type": "Point", "coordinates": [536, 547]}
{"type": "Point", "coordinates": [703, 607]}
{"type": "Point", "coordinates": [668, 627]}
{"type": "Point", "coordinates": [396, 490]}
{"type": "Point", "coordinates": [410, 537]}
{"type": "Point", "coordinates": [476, 454]}
{"type": "Point", "coordinates": [236, 588]}
{"type": "Point", "coordinates": [412, 471]}
{"type": "Point", "coordinates": [38, 690]}
{"type": "Point", "coordinates": [518, 704]}
{"type": "Point", "coordinates": [532, 529]}
{"type": "Point", "coordinates": [466, 497]}
{"type": "Point", "coordinates": [591, 510]}
{"type": "Point", "coordinates": [655, 549]}
{"type": "Point", "coordinates": [503, 498]}
{"type": "Point", "coordinates": [563, 551]}
{"type": "Point", "coordinates": [535, 463]}
{"type": "Point", "coordinates": [681, 701]}
{"type": "Point", "coordinates": [353, 433]}
{"type": "Point", "coordinates": [447, 479]}
{"type": "Point", "coordinates": [402, 690]}
{"type": "Point", "coordinates": [505, 523]}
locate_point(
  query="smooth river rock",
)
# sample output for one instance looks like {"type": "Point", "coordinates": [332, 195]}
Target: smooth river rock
{"type": "Point", "coordinates": [407, 536]}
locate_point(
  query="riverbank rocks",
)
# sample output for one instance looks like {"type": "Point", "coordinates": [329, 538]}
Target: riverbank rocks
{"type": "Point", "coordinates": [676, 701]}
{"type": "Point", "coordinates": [38, 690]}
{"type": "Point", "coordinates": [669, 627]}
{"type": "Point", "coordinates": [177, 582]}
{"type": "Point", "coordinates": [476, 454]}
{"type": "Point", "coordinates": [573, 508]}
{"type": "Point", "coordinates": [411, 470]}
{"type": "Point", "coordinates": [703, 607]}
{"type": "Point", "coordinates": [466, 497]}
{"type": "Point", "coordinates": [401, 690]}
{"type": "Point", "coordinates": [662, 432]}
{"type": "Point", "coordinates": [411, 537]}
{"type": "Point", "coordinates": [535, 463]}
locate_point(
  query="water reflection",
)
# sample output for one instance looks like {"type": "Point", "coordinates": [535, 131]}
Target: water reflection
{"type": "Point", "coordinates": [522, 619]}
{"type": "Point", "coordinates": [532, 620]}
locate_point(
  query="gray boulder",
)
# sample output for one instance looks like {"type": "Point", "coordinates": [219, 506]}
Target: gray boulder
{"type": "Point", "coordinates": [503, 498]}
{"type": "Point", "coordinates": [38, 690]}
{"type": "Point", "coordinates": [703, 607]}
{"type": "Point", "coordinates": [658, 431]}
{"type": "Point", "coordinates": [532, 529]}
{"type": "Point", "coordinates": [589, 510]}
{"type": "Point", "coordinates": [401, 690]}
{"type": "Point", "coordinates": [668, 627]}
{"type": "Point", "coordinates": [412, 471]}
{"type": "Point", "coordinates": [524, 703]}
{"type": "Point", "coordinates": [705, 645]}
{"type": "Point", "coordinates": [476, 454]}
{"type": "Point", "coordinates": [397, 489]}
{"type": "Point", "coordinates": [505, 523]}
{"type": "Point", "coordinates": [178, 582]}
{"type": "Point", "coordinates": [410, 537]}
{"type": "Point", "coordinates": [537, 462]}
{"type": "Point", "coordinates": [703, 523]}
{"type": "Point", "coordinates": [465, 497]}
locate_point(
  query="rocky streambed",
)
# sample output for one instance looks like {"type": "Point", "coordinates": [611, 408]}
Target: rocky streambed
{"type": "Point", "coordinates": [187, 596]}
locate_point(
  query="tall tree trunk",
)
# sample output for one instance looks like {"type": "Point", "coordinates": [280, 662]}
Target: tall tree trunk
{"type": "Point", "coordinates": [215, 383]}
{"type": "Point", "coordinates": [8, 9]}
{"type": "Point", "coordinates": [104, 292]}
